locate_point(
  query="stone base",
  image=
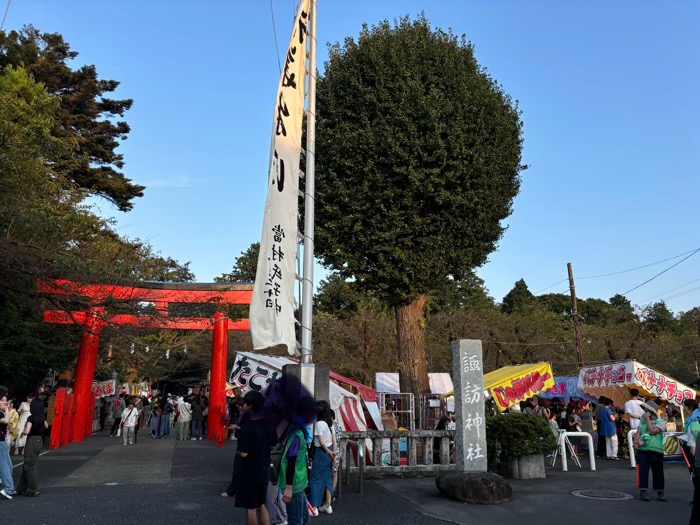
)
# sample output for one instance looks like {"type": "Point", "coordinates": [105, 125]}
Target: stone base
{"type": "Point", "coordinates": [483, 488]}
{"type": "Point", "coordinates": [526, 467]}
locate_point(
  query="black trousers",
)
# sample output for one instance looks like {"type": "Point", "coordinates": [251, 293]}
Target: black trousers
{"type": "Point", "coordinates": [115, 426]}
{"type": "Point", "coordinates": [655, 461]}
{"type": "Point", "coordinates": [29, 482]}
{"type": "Point", "coordinates": [601, 444]}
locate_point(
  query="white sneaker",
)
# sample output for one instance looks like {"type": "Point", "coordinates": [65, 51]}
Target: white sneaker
{"type": "Point", "coordinates": [327, 510]}
{"type": "Point", "coordinates": [5, 494]}
{"type": "Point", "coordinates": [313, 511]}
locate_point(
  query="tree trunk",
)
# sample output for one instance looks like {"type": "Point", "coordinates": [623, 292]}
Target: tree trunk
{"type": "Point", "coordinates": [413, 362]}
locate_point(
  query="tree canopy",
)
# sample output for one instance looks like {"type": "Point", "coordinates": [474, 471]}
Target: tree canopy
{"type": "Point", "coordinates": [418, 153]}
{"type": "Point", "coordinates": [417, 168]}
{"type": "Point", "coordinates": [46, 231]}
{"type": "Point", "coordinates": [244, 268]}
{"type": "Point", "coordinates": [86, 119]}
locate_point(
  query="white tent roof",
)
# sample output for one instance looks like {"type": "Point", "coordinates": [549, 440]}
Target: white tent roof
{"type": "Point", "coordinates": [388, 382]}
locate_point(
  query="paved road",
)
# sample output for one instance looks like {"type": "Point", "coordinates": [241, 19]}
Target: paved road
{"type": "Point", "coordinates": [165, 481]}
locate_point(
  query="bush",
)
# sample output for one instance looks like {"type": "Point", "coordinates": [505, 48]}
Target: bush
{"type": "Point", "coordinates": [516, 435]}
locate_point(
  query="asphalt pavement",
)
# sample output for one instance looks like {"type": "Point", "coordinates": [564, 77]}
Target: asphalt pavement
{"type": "Point", "coordinates": [101, 482]}
{"type": "Point", "coordinates": [166, 481]}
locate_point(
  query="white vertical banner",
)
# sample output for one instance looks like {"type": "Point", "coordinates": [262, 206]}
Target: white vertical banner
{"type": "Point", "coordinates": [272, 308]}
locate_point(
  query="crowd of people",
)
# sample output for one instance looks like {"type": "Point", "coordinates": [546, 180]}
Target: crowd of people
{"type": "Point", "coordinates": [160, 415]}
{"type": "Point", "coordinates": [287, 459]}
{"type": "Point", "coordinates": [22, 426]}
{"type": "Point", "coordinates": [611, 425]}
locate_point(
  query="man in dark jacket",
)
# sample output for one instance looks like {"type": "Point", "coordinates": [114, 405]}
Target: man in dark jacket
{"type": "Point", "coordinates": [197, 416]}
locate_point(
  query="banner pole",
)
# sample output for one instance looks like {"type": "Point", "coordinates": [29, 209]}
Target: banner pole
{"type": "Point", "coordinates": [308, 277]}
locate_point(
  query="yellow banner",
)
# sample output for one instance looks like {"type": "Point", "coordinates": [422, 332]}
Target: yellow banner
{"type": "Point", "coordinates": [513, 384]}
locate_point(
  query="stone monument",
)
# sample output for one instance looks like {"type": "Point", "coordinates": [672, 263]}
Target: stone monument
{"type": "Point", "coordinates": [471, 482]}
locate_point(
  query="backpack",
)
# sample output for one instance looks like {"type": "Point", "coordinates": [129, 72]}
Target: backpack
{"type": "Point", "coordinates": [277, 453]}
{"type": "Point", "coordinates": [275, 461]}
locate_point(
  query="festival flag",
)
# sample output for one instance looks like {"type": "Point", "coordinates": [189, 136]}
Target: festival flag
{"type": "Point", "coordinates": [272, 308]}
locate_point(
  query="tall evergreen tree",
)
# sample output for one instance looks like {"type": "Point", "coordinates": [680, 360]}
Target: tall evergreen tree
{"type": "Point", "coordinates": [87, 118]}
{"type": "Point", "coordinates": [519, 297]}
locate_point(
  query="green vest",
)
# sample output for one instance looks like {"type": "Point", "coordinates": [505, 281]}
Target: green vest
{"type": "Point", "coordinates": [301, 473]}
{"type": "Point", "coordinates": [654, 443]}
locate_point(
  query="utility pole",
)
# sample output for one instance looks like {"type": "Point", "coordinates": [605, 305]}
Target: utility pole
{"type": "Point", "coordinates": [574, 312]}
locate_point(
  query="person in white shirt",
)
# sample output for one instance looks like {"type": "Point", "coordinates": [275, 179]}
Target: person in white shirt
{"type": "Point", "coordinates": [184, 417]}
{"type": "Point", "coordinates": [321, 479]}
{"type": "Point", "coordinates": [634, 410]}
{"type": "Point", "coordinates": [130, 418]}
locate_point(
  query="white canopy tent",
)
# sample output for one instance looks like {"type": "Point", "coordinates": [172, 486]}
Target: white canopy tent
{"type": "Point", "coordinates": [440, 383]}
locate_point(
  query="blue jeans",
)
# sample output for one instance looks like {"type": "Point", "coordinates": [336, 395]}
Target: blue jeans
{"type": "Point", "coordinates": [297, 511]}
{"type": "Point", "coordinates": [6, 468]}
{"type": "Point", "coordinates": [164, 425]}
{"type": "Point", "coordinates": [196, 428]}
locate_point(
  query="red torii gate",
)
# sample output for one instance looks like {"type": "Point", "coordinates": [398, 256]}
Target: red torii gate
{"type": "Point", "coordinates": [95, 319]}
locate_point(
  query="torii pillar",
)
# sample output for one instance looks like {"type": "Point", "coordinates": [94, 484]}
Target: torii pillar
{"type": "Point", "coordinates": [85, 372]}
{"type": "Point", "coordinates": [217, 382]}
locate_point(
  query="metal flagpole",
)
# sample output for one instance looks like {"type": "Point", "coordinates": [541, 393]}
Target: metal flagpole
{"type": "Point", "coordinates": [308, 277]}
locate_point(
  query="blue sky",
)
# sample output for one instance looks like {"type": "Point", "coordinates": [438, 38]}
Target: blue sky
{"type": "Point", "coordinates": [608, 90]}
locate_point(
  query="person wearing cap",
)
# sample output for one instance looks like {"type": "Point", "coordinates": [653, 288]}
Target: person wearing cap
{"type": "Point", "coordinates": [649, 441]}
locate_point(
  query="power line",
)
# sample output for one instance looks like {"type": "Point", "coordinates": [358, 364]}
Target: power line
{"type": "Point", "coordinates": [691, 252]}
{"type": "Point", "coordinates": [669, 291]}
{"type": "Point", "coordinates": [662, 272]}
{"type": "Point", "coordinates": [621, 271]}
{"type": "Point", "coordinates": [274, 32]}
{"type": "Point", "coordinates": [682, 294]}
{"type": "Point", "coordinates": [552, 286]}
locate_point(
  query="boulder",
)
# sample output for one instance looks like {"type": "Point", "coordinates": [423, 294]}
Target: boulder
{"type": "Point", "coordinates": [483, 488]}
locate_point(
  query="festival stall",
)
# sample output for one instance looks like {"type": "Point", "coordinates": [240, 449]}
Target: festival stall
{"type": "Point", "coordinates": [104, 388]}
{"type": "Point", "coordinates": [615, 380]}
{"type": "Point", "coordinates": [112, 388]}
{"type": "Point", "coordinates": [431, 407]}
{"type": "Point", "coordinates": [256, 372]}
{"type": "Point", "coordinates": [566, 389]}
{"type": "Point", "coordinates": [512, 384]}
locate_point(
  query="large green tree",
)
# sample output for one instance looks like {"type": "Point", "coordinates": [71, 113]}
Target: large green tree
{"type": "Point", "coordinates": [86, 117]}
{"type": "Point", "coordinates": [419, 159]}
{"type": "Point", "coordinates": [46, 231]}
{"type": "Point", "coordinates": [519, 297]}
